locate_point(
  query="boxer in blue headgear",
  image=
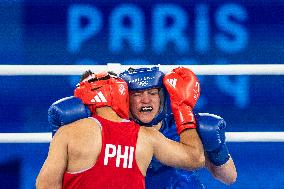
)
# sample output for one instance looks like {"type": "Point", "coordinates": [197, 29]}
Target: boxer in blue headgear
{"type": "Point", "coordinates": [150, 106]}
{"type": "Point", "coordinates": [155, 110]}
{"type": "Point", "coordinates": [143, 84]}
{"type": "Point", "coordinates": [144, 79]}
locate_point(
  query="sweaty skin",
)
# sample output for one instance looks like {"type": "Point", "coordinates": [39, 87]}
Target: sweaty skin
{"type": "Point", "coordinates": [145, 104]}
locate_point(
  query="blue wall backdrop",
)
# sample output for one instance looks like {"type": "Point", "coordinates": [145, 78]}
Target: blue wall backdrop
{"type": "Point", "coordinates": [93, 32]}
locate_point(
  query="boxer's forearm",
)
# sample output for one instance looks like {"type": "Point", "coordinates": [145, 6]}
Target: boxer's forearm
{"type": "Point", "coordinates": [191, 138]}
{"type": "Point", "coordinates": [225, 173]}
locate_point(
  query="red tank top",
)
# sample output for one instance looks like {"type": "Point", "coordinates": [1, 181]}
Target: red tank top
{"type": "Point", "coordinates": [116, 167]}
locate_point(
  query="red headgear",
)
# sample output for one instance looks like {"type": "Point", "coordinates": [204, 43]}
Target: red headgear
{"type": "Point", "coordinates": [99, 90]}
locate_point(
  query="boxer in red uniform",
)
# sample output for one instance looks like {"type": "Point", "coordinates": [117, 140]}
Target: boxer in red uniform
{"type": "Point", "coordinates": [107, 150]}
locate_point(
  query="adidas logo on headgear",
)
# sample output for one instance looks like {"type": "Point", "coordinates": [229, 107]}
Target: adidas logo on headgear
{"type": "Point", "coordinates": [99, 98]}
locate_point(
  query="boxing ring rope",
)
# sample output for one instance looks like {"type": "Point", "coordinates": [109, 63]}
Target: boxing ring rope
{"type": "Point", "coordinates": [230, 137]}
{"type": "Point", "coordinates": [232, 69]}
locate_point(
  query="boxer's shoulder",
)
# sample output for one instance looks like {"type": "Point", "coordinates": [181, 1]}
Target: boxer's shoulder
{"type": "Point", "coordinates": [80, 127]}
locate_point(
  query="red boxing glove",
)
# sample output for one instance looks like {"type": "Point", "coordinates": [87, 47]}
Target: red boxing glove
{"type": "Point", "coordinates": [184, 90]}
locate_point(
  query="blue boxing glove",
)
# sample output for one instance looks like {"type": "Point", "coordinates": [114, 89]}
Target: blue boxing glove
{"type": "Point", "coordinates": [65, 111]}
{"type": "Point", "coordinates": [211, 130]}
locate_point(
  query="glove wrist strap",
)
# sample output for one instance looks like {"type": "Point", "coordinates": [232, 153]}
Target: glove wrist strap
{"type": "Point", "coordinates": [184, 118]}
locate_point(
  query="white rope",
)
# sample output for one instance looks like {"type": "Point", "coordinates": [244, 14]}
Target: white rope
{"type": "Point", "coordinates": [25, 137]}
{"type": "Point", "coordinates": [232, 69]}
{"type": "Point", "coordinates": [255, 136]}
{"type": "Point", "coordinates": [230, 137]}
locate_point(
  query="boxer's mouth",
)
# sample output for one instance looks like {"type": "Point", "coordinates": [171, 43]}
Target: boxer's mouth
{"type": "Point", "coordinates": [146, 109]}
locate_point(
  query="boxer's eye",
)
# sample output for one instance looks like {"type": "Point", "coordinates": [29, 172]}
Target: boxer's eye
{"type": "Point", "coordinates": [136, 94]}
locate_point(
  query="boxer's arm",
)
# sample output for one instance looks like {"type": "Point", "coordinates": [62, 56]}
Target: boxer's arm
{"type": "Point", "coordinates": [226, 173]}
{"type": "Point", "coordinates": [183, 88]}
{"type": "Point", "coordinates": [211, 129]}
{"type": "Point", "coordinates": [52, 171]}
{"type": "Point", "coordinates": [175, 154]}
{"type": "Point", "coordinates": [190, 137]}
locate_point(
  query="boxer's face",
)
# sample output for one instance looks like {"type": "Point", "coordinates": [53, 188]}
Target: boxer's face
{"type": "Point", "coordinates": [144, 105]}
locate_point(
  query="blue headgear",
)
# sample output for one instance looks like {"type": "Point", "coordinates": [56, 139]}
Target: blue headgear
{"type": "Point", "coordinates": [147, 78]}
